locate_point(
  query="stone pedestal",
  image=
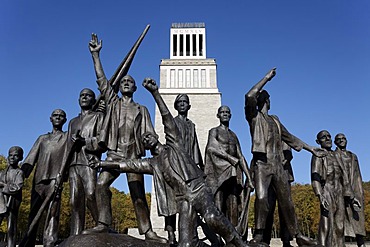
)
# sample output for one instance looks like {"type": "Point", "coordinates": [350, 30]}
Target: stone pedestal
{"type": "Point", "coordinates": [107, 240]}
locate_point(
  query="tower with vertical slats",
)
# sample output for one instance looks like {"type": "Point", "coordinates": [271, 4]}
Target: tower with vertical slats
{"type": "Point", "coordinates": [188, 70]}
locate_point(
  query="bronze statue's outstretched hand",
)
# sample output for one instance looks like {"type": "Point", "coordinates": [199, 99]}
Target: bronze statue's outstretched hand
{"type": "Point", "coordinates": [319, 152]}
{"type": "Point", "coordinates": [150, 85]}
{"type": "Point", "coordinates": [271, 74]}
{"type": "Point", "coordinates": [94, 44]}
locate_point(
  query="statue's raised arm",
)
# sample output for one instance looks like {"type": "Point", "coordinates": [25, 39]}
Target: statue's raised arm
{"type": "Point", "coordinates": [152, 87]}
{"type": "Point", "coordinates": [251, 97]}
{"type": "Point", "coordinates": [95, 46]}
{"type": "Point", "coordinates": [256, 89]}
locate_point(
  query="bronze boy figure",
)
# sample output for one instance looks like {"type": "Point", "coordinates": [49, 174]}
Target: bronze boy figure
{"type": "Point", "coordinates": [46, 156]}
{"type": "Point", "coordinates": [11, 183]}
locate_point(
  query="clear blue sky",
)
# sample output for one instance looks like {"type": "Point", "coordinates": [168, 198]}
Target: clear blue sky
{"type": "Point", "coordinates": [321, 50]}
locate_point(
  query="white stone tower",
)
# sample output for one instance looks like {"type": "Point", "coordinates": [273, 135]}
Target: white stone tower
{"type": "Point", "coordinates": [188, 71]}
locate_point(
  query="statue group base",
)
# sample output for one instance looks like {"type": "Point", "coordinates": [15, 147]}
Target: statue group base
{"type": "Point", "coordinates": [108, 240]}
{"type": "Point", "coordinates": [123, 240]}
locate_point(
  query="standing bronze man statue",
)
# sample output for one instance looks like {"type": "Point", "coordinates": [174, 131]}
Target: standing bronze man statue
{"type": "Point", "coordinates": [124, 123]}
{"type": "Point", "coordinates": [11, 183]}
{"type": "Point", "coordinates": [46, 156]}
{"type": "Point", "coordinates": [187, 129]}
{"type": "Point", "coordinates": [268, 134]}
{"type": "Point", "coordinates": [330, 184]}
{"type": "Point", "coordinates": [354, 224]}
{"type": "Point", "coordinates": [191, 146]}
{"type": "Point", "coordinates": [83, 135]}
{"type": "Point", "coordinates": [225, 165]}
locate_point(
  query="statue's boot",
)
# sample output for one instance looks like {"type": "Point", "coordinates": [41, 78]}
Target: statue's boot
{"type": "Point", "coordinates": [152, 236]}
{"type": "Point", "coordinates": [100, 228]}
{"type": "Point", "coordinates": [305, 241]}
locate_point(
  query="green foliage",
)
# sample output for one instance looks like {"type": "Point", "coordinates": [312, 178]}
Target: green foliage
{"type": "Point", "coordinates": [307, 208]}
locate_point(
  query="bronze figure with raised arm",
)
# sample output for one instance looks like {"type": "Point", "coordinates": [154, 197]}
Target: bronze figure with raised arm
{"type": "Point", "coordinates": [267, 135]}
{"type": "Point", "coordinates": [124, 123]}
{"type": "Point", "coordinates": [190, 140]}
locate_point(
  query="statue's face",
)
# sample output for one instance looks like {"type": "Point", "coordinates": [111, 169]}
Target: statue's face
{"type": "Point", "coordinates": [87, 99]}
{"type": "Point", "coordinates": [263, 100]}
{"type": "Point", "coordinates": [268, 103]}
{"type": "Point", "coordinates": [58, 118]}
{"type": "Point", "coordinates": [14, 157]}
{"type": "Point", "coordinates": [182, 105]}
{"type": "Point", "coordinates": [127, 85]}
{"type": "Point", "coordinates": [340, 141]}
{"type": "Point", "coordinates": [149, 141]}
{"type": "Point", "coordinates": [224, 114]}
{"type": "Point", "coordinates": [324, 139]}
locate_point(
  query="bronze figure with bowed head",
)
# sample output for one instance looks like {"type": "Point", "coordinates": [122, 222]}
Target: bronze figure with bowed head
{"type": "Point", "coordinates": [225, 165]}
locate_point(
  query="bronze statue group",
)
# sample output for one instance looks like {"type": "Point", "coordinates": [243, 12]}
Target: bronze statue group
{"type": "Point", "coordinates": [206, 194]}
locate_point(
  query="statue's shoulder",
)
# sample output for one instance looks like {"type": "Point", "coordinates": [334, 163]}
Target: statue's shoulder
{"type": "Point", "coordinates": [275, 117]}
{"type": "Point", "coordinates": [44, 136]}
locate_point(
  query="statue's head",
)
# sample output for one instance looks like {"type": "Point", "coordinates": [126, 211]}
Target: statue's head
{"type": "Point", "coordinates": [149, 140]}
{"type": "Point", "coordinates": [127, 85]}
{"type": "Point", "coordinates": [263, 99]}
{"type": "Point", "coordinates": [340, 141]}
{"type": "Point", "coordinates": [87, 99]}
{"type": "Point", "coordinates": [224, 114]}
{"type": "Point", "coordinates": [58, 118]}
{"type": "Point", "coordinates": [15, 155]}
{"type": "Point", "coordinates": [323, 138]}
{"type": "Point", "coordinates": [182, 104]}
